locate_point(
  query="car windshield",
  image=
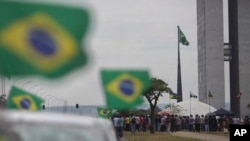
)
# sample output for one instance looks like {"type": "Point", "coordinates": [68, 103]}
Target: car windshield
{"type": "Point", "coordinates": [50, 132]}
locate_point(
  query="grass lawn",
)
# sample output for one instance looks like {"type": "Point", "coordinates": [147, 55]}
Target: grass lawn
{"type": "Point", "coordinates": [146, 136]}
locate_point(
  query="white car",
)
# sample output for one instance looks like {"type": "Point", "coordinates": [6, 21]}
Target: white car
{"type": "Point", "coordinates": [45, 126]}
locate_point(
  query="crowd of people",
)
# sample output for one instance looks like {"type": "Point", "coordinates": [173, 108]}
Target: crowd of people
{"type": "Point", "coordinates": [173, 123]}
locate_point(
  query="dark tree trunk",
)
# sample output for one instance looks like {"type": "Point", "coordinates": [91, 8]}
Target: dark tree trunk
{"type": "Point", "coordinates": [152, 116]}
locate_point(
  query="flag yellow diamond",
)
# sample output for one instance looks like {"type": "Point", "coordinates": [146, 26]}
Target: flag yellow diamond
{"type": "Point", "coordinates": [39, 40]}
{"type": "Point", "coordinates": [25, 102]}
{"type": "Point", "coordinates": [125, 87]}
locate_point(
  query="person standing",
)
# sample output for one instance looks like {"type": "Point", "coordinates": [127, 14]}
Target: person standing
{"type": "Point", "coordinates": [132, 123]}
{"type": "Point", "coordinates": [173, 124]}
{"type": "Point", "coordinates": [167, 121]}
{"type": "Point", "coordinates": [197, 123]}
{"type": "Point", "coordinates": [163, 125]}
{"type": "Point", "coordinates": [126, 120]}
{"type": "Point", "coordinates": [206, 124]}
{"type": "Point", "coordinates": [115, 122]}
{"type": "Point", "coordinates": [137, 123]}
{"type": "Point", "coordinates": [202, 123]}
{"type": "Point", "coordinates": [178, 123]}
{"type": "Point", "coordinates": [191, 123]}
{"type": "Point", "coordinates": [120, 126]}
{"type": "Point", "coordinates": [246, 120]}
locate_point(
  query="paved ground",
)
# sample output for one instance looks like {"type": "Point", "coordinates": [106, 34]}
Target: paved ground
{"type": "Point", "coordinates": [205, 137]}
{"type": "Point", "coordinates": [123, 139]}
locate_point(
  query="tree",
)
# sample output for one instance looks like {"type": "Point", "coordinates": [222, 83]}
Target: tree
{"type": "Point", "coordinates": [175, 109]}
{"type": "Point", "coordinates": [158, 87]}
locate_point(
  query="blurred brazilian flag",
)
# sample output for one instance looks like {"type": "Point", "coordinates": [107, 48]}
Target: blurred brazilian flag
{"type": "Point", "coordinates": [104, 112]}
{"type": "Point", "coordinates": [124, 88]}
{"type": "Point", "coordinates": [20, 99]}
{"type": "Point", "coordinates": [41, 39]}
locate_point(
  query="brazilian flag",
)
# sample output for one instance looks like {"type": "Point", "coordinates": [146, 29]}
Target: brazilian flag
{"type": "Point", "coordinates": [41, 39]}
{"type": "Point", "coordinates": [104, 112]}
{"type": "Point", "coordinates": [210, 95]}
{"type": "Point", "coordinates": [192, 95]}
{"type": "Point", "coordinates": [173, 96]}
{"type": "Point", "coordinates": [20, 99]}
{"type": "Point", "coordinates": [182, 37]}
{"type": "Point", "coordinates": [124, 88]}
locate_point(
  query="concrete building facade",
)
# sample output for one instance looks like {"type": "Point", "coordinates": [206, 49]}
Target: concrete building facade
{"type": "Point", "coordinates": [211, 52]}
{"type": "Point", "coordinates": [239, 39]}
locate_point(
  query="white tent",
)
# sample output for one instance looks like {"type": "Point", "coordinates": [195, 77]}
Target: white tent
{"type": "Point", "coordinates": [197, 107]}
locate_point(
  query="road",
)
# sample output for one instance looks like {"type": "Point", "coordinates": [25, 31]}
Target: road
{"type": "Point", "coordinates": [203, 136]}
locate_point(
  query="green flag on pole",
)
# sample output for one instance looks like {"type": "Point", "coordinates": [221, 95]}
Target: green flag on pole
{"type": "Point", "coordinates": [210, 95]}
{"type": "Point", "coordinates": [172, 95]}
{"type": "Point", "coordinates": [182, 38]}
{"type": "Point", "coordinates": [192, 95]}
{"type": "Point", "coordinates": [104, 112]}
{"type": "Point", "coordinates": [124, 88]}
{"type": "Point", "coordinates": [20, 99]}
{"type": "Point", "coordinates": [41, 39]}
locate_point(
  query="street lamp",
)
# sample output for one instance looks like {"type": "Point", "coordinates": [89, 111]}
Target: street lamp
{"type": "Point", "coordinates": [26, 83]}
{"type": "Point", "coordinates": [60, 101]}
{"type": "Point", "coordinates": [14, 83]}
{"type": "Point", "coordinates": [39, 90]}
{"type": "Point", "coordinates": [33, 86]}
{"type": "Point", "coordinates": [3, 101]}
{"type": "Point", "coordinates": [45, 98]}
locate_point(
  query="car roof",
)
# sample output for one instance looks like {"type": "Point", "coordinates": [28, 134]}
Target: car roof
{"type": "Point", "coordinates": [48, 117]}
{"type": "Point", "coordinates": [104, 127]}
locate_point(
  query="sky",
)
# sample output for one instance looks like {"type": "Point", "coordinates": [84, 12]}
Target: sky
{"type": "Point", "coordinates": [139, 34]}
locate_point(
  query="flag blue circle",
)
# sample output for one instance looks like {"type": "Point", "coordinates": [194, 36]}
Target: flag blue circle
{"type": "Point", "coordinates": [105, 111]}
{"type": "Point", "coordinates": [25, 103]}
{"type": "Point", "coordinates": [42, 41]}
{"type": "Point", "coordinates": [127, 87]}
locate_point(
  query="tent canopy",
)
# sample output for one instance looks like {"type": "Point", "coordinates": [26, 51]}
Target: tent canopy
{"type": "Point", "coordinates": [223, 112]}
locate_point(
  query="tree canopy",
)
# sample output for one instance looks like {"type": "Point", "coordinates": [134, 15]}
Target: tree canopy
{"type": "Point", "coordinates": [158, 87]}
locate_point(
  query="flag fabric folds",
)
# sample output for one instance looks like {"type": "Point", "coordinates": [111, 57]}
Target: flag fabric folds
{"type": "Point", "coordinates": [104, 112]}
{"type": "Point", "coordinates": [124, 88]}
{"type": "Point", "coordinates": [182, 37]}
{"type": "Point", "coordinates": [41, 39]}
{"type": "Point", "coordinates": [239, 95]}
{"type": "Point", "coordinates": [20, 99]}
{"type": "Point", "coordinates": [192, 95]}
{"type": "Point", "coordinates": [210, 95]}
{"type": "Point", "coordinates": [172, 95]}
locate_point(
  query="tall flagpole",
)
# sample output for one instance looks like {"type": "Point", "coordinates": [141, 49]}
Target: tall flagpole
{"type": "Point", "coordinates": [179, 84]}
{"type": "Point", "coordinates": [190, 105]}
{"type": "Point", "coordinates": [209, 103]}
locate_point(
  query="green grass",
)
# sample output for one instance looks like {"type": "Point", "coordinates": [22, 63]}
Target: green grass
{"type": "Point", "coordinates": [146, 136]}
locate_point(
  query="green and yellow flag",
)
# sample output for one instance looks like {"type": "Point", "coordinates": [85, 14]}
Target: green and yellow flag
{"type": "Point", "coordinates": [182, 37]}
{"type": "Point", "coordinates": [173, 96]}
{"type": "Point", "coordinates": [210, 95]}
{"type": "Point", "coordinates": [123, 88]}
{"type": "Point", "coordinates": [192, 95]}
{"type": "Point", "coordinates": [104, 112]}
{"type": "Point", "coordinates": [41, 39]}
{"type": "Point", "coordinates": [20, 99]}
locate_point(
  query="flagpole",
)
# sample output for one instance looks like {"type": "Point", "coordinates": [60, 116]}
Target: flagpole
{"type": "Point", "coordinates": [209, 104]}
{"type": "Point", "coordinates": [179, 84]}
{"type": "Point", "coordinates": [190, 105]}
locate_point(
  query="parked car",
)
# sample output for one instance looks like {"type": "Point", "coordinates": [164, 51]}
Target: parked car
{"type": "Point", "coordinates": [47, 126]}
